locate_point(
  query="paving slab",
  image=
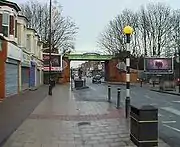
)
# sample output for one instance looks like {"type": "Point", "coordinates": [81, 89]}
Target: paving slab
{"type": "Point", "coordinates": [61, 121]}
{"type": "Point", "coordinates": [15, 109]}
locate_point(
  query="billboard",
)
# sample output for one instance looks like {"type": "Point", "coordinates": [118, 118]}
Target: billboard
{"type": "Point", "coordinates": [158, 65]}
{"type": "Point", "coordinates": [55, 62]}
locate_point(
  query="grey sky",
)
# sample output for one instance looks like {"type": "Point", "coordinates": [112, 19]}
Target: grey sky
{"type": "Point", "coordinates": [92, 16]}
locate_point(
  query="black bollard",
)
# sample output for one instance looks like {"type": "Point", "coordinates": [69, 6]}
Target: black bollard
{"type": "Point", "coordinates": [141, 83]}
{"type": "Point", "coordinates": [109, 94]}
{"type": "Point", "coordinates": [50, 89]}
{"type": "Point", "coordinates": [127, 106]}
{"type": "Point", "coordinates": [118, 98]}
{"type": "Point", "coordinates": [71, 84]}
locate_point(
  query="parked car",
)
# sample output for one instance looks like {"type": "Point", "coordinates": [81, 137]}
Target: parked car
{"type": "Point", "coordinates": [96, 79]}
{"type": "Point", "coordinates": [167, 85]}
{"type": "Point", "coordinates": [155, 81]}
{"type": "Point", "coordinates": [89, 75]}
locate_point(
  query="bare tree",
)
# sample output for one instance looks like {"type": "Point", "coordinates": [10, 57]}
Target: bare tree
{"type": "Point", "coordinates": [64, 29]}
{"type": "Point", "coordinates": [112, 39]}
{"type": "Point", "coordinates": [176, 31]}
{"type": "Point", "coordinates": [154, 27]}
{"type": "Point", "coordinates": [159, 17]}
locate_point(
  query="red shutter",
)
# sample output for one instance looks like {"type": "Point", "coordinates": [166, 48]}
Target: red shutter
{"type": "Point", "coordinates": [0, 23]}
{"type": "Point", "coordinates": [11, 25]}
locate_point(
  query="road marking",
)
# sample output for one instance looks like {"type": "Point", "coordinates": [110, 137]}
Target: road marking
{"type": "Point", "coordinates": [176, 101]}
{"type": "Point", "coordinates": [169, 122]}
{"type": "Point", "coordinates": [153, 104]}
{"type": "Point", "coordinates": [175, 129]}
{"type": "Point", "coordinates": [92, 88]}
{"type": "Point", "coordinates": [172, 110]}
{"type": "Point", "coordinates": [147, 96]}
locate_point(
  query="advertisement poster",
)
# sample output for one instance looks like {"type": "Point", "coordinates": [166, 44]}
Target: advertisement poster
{"type": "Point", "coordinates": [55, 62]}
{"type": "Point", "coordinates": [158, 65]}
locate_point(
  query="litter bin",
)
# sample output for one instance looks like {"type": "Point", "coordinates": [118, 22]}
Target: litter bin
{"type": "Point", "coordinates": [144, 126]}
{"type": "Point", "coordinates": [78, 83]}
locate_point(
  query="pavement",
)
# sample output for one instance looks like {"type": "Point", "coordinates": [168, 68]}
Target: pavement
{"type": "Point", "coordinates": [15, 109]}
{"type": "Point", "coordinates": [168, 105]}
{"type": "Point", "coordinates": [173, 92]}
{"type": "Point", "coordinates": [67, 120]}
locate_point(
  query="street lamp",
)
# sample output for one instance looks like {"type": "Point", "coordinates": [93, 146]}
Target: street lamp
{"type": "Point", "coordinates": [50, 23]}
{"type": "Point", "coordinates": [178, 60]}
{"type": "Point", "coordinates": [128, 32]}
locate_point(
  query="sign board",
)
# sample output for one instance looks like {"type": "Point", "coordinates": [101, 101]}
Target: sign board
{"type": "Point", "coordinates": [55, 62]}
{"type": "Point", "coordinates": [121, 66]}
{"type": "Point", "coordinates": [99, 66]}
{"type": "Point", "coordinates": [64, 65]}
{"type": "Point", "coordinates": [158, 65]}
{"type": "Point", "coordinates": [95, 57]}
{"type": "Point", "coordinates": [14, 52]}
{"type": "Point", "coordinates": [38, 63]}
{"type": "Point", "coordinates": [26, 58]}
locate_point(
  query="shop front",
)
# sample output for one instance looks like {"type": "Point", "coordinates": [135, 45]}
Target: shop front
{"type": "Point", "coordinates": [25, 71]}
{"type": "Point", "coordinates": [32, 79]}
{"type": "Point", "coordinates": [12, 69]}
{"type": "Point", "coordinates": [3, 56]}
{"type": "Point", "coordinates": [38, 72]}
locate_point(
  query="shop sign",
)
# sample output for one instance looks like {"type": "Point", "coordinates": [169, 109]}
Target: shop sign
{"type": "Point", "coordinates": [14, 52]}
{"type": "Point", "coordinates": [26, 58]}
{"type": "Point", "coordinates": [55, 62]}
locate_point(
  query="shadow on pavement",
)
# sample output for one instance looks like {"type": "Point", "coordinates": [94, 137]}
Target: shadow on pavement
{"type": "Point", "coordinates": [15, 109]}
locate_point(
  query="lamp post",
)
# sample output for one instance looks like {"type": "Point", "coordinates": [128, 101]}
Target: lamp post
{"type": "Point", "coordinates": [178, 60]}
{"type": "Point", "coordinates": [128, 32]}
{"type": "Point", "coordinates": [50, 11]}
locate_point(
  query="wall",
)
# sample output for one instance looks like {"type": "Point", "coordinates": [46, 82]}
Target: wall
{"type": "Point", "coordinates": [106, 66]}
{"type": "Point", "coordinates": [66, 72]}
{"type": "Point", "coordinates": [12, 21]}
{"type": "Point", "coordinates": [21, 25]}
{"type": "Point", "coordinates": [3, 56]}
{"type": "Point", "coordinates": [112, 74]}
{"type": "Point", "coordinates": [119, 76]}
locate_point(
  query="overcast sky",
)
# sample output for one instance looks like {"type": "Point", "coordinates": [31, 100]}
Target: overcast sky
{"type": "Point", "coordinates": [91, 16]}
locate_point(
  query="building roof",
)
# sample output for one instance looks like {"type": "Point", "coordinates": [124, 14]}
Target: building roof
{"type": "Point", "coordinates": [31, 29]}
{"type": "Point", "coordinates": [10, 4]}
{"type": "Point", "coordinates": [23, 17]}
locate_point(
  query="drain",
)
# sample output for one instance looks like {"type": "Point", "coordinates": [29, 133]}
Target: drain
{"type": "Point", "coordinates": [84, 123]}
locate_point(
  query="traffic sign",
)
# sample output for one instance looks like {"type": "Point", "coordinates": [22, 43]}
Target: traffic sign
{"type": "Point", "coordinates": [121, 66]}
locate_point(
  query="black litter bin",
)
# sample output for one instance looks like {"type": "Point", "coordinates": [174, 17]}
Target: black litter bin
{"type": "Point", "coordinates": [79, 83]}
{"type": "Point", "coordinates": [144, 126]}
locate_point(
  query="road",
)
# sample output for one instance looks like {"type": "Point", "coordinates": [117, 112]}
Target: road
{"type": "Point", "coordinates": [168, 105]}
